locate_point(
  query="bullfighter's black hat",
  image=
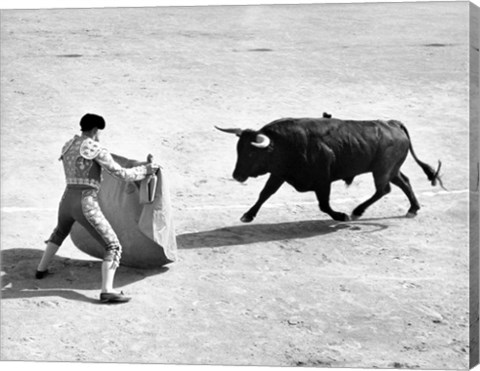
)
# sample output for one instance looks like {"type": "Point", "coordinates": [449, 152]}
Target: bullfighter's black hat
{"type": "Point", "coordinates": [91, 121]}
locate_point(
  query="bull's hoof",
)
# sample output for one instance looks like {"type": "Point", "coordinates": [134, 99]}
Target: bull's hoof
{"type": "Point", "coordinates": [354, 217]}
{"type": "Point", "coordinates": [246, 218]}
{"type": "Point", "coordinates": [411, 214]}
{"type": "Point", "coordinates": [341, 217]}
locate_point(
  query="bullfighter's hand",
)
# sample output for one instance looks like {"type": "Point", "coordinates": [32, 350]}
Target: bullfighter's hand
{"type": "Point", "coordinates": [152, 168]}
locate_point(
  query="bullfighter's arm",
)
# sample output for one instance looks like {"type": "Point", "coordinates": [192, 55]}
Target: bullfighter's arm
{"type": "Point", "coordinates": [106, 161]}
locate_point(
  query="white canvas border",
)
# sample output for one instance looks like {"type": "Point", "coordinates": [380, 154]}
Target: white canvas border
{"type": "Point", "coordinates": [47, 4]}
{"type": "Point", "coordinates": [29, 4]}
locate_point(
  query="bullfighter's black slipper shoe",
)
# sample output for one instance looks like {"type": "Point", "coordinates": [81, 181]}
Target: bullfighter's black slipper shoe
{"type": "Point", "coordinates": [41, 274]}
{"type": "Point", "coordinates": [114, 298]}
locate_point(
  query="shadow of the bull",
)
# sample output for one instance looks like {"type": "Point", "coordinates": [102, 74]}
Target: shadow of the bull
{"type": "Point", "coordinates": [258, 233]}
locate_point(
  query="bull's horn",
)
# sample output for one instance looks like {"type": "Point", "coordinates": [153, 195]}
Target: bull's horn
{"type": "Point", "coordinates": [262, 141]}
{"type": "Point", "coordinates": [235, 131]}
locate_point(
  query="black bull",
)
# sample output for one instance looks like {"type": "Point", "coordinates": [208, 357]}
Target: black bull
{"type": "Point", "coordinates": [311, 153]}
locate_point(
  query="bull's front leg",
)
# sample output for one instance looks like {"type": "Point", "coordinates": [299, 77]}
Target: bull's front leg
{"type": "Point", "coordinates": [272, 186]}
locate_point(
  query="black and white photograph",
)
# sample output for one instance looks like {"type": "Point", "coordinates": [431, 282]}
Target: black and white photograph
{"type": "Point", "coordinates": [283, 185]}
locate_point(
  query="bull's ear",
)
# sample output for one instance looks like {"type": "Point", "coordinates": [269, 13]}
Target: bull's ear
{"type": "Point", "coordinates": [235, 131]}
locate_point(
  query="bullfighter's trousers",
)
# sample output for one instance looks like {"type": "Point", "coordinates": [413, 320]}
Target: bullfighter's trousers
{"type": "Point", "coordinates": [81, 205]}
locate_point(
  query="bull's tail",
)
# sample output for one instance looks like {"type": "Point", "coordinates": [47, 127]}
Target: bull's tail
{"type": "Point", "coordinates": [433, 175]}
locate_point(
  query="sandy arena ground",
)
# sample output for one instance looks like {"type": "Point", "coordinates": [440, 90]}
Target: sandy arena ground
{"type": "Point", "coordinates": [293, 287]}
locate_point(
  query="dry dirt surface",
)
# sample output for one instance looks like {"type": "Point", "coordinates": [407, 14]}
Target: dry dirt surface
{"type": "Point", "coordinates": [293, 288]}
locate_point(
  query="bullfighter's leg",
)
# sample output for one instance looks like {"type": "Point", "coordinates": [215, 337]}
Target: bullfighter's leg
{"type": "Point", "coordinates": [402, 181]}
{"type": "Point", "coordinates": [382, 187]}
{"type": "Point", "coordinates": [272, 186]}
{"type": "Point", "coordinates": [91, 218]}
{"type": "Point", "coordinates": [323, 196]}
{"type": "Point", "coordinates": [61, 231]}
{"type": "Point", "coordinates": [50, 251]}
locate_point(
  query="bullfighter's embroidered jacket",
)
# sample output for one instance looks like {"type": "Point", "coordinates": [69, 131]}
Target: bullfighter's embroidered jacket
{"type": "Point", "coordinates": [83, 159]}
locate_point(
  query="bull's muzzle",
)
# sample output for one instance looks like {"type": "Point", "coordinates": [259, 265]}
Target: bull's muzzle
{"type": "Point", "coordinates": [240, 178]}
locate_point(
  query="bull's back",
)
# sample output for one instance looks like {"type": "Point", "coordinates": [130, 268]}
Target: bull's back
{"type": "Point", "coordinates": [365, 146]}
{"type": "Point", "coordinates": [349, 147]}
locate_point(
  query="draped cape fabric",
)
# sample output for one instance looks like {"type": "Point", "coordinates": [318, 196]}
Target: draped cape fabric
{"type": "Point", "coordinates": [146, 231]}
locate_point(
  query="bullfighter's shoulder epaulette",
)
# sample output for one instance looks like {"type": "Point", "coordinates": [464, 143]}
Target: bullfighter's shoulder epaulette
{"type": "Point", "coordinates": [89, 149]}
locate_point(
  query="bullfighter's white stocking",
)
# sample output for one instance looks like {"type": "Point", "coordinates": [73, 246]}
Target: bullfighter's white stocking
{"type": "Point", "coordinates": [47, 257]}
{"type": "Point", "coordinates": [108, 274]}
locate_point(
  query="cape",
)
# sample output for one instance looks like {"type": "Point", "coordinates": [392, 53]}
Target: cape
{"type": "Point", "coordinates": [145, 230]}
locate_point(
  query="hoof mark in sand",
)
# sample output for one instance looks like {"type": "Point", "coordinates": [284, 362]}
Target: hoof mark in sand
{"type": "Point", "coordinates": [69, 55]}
{"type": "Point", "coordinates": [437, 45]}
{"type": "Point", "coordinates": [260, 50]}
{"type": "Point", "coordinates": [403, 365]}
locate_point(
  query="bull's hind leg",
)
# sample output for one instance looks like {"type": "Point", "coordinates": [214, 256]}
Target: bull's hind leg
{"type": "Point", "coordinates": [382, 187]}
{"type": "Point", "coordinates": [323, 196]}
{"type": "Point", "coordinates": [402, 181]}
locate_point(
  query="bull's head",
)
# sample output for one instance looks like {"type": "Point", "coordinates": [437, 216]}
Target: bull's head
{"type": "Point", "coordinates": [252, 151]}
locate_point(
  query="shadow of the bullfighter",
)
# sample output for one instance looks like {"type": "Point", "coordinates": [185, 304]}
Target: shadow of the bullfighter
{"type": "Point", "coordinates": [66, 277]}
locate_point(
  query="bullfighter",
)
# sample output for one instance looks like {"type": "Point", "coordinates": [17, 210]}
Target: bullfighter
{"type": "Point", "coordinates": [83, 160]}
